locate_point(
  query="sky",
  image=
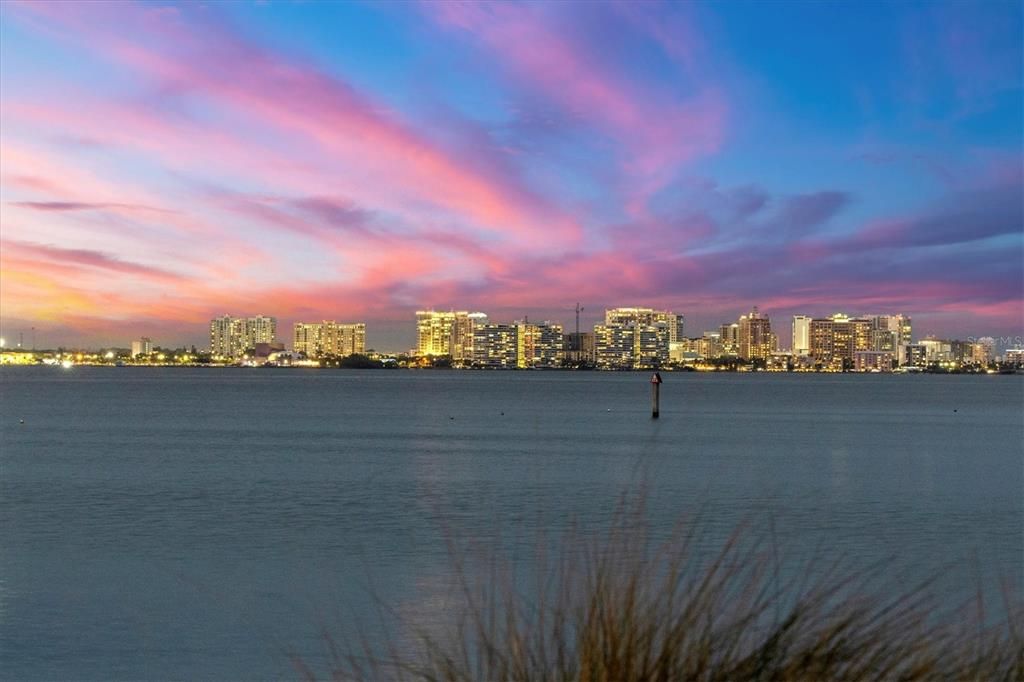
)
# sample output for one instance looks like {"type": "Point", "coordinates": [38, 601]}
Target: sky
{"type": "Point", "coordinates": [165, 163]}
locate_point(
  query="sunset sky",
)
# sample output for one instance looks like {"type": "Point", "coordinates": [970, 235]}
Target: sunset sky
{"type": "Point", "coordinates": [164, 163]}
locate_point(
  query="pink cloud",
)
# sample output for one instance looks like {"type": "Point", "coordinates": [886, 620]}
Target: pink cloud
{"type": "Point", "coordinates": [207, 59]}
{"type": "Point", "coordinates": [657, 131]}
{"type": "Point", "coordinates": [88, 258]}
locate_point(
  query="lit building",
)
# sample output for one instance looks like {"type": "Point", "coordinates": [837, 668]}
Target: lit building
{"type": "Point", "coordinates": [1014, 356]}
{"type": "Point", "coordinates": [681, 351]}
{"type": "Point", "coordinates": [709, 345]}
{"type": "Point", "coordinates": [983, 351]}
{"type": "Point", "coordinates": [873, 361]}
{"type": "Point", "coordinates": [915, 356]}
{"type": "Point", "coordinates": [447, 333]}
{"type": "Point", "coordinates": [227, 337]}
{"type": "Point", "coordinates": [673, 322]}
{"type": "Point", "coordinates": [230, 336]}
{"type": "Point", "coordinates": [522, 345]}
{"type": "Point", "coordinates": [579, 347]}
{"type": "Point", "coordinates": [891, 333]}
{"type": "Point", "coordinates": [779, 362]}
{"type": "Point", "coordinates": [260, 329]}
{"type": "Point", "coordinates": [636, 337]}
{"type": "Point", "coordinates": [755, 336]}
{"type": "Point", "coordinates": [318, 339]}
{"type": "Point", "coordinates": [834, 340]}
{"type": "Point", "coordinates": [143, 346]}
{"type": "Point", "coordinates": [613, 346]}
{"type": "Point", "coordinates": [495, 346]}
{"type": "Point", "coordinates": [937, 350]}
{"type": "Point", "coordinates": [801, 335]}
{"type": "Point", "coordinates": [730, 338]}
{"type": "Point", "coordinates": [539, 345]}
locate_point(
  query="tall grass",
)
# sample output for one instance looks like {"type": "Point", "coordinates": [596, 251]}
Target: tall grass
{"type": "Point", "coordinates": [620, 607]}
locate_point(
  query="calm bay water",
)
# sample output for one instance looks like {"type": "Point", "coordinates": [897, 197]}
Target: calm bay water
{"type": "Point", "coordinates": [200, 523]}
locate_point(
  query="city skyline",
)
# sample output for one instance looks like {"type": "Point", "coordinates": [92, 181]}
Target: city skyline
{"type": "Point", "coordinates": [633, 337]}
{"type": "Point", "coordinates": [164, 163]}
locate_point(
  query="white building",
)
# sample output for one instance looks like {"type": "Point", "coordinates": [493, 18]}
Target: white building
{"type": "Point", "coordinates": [801, 335]}
{"type": "Point", "coordinates": [143, 346]}
{"type": "Point", "coordinates": [231, 336]}
{"type": "Point", "coordinates": [317, 339]}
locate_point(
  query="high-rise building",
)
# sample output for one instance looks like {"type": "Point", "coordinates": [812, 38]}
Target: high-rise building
{"type": "Point", "coordinates": [143, 346]}
{"type": "Point", "coordinates": [636, 337]}
{"type": "Point", "coordinates": [891, 333]}
{"type": "Point", "coordinates": [673, 322]}
{"type": "Point", "coordinates": [230, 336]}
{"type": "Point", "coordinates": [521, 344]}
{"type": "Point", "coordinates": [983, 351]}
{"type": "Point", "coordinates": [755, 336]}
{"type": "Point", "coordinates": [495, 346]}
{"type": "Point", "coordinates": [539, 345]}
{"type": "Point", "coordinates": [260, 329]}
{"type": "Point", "coordinates": [613, 346]}
{"type": "Point", "coordinates": [801, 335]}
{"type": "Point", "coordinates": [730, 335]}
{"type": "Point", "coordinates": [447, 333]}
{"type": "Point", "coordinates": [710, 345]}
{"type": "Point", "coordinates": [579, 348]}
{"type": "Point", "coordinates": [937, 350]}
{"type": "Point", "coordinates": [318, 339]}
{"type": "Point", "coordinates": [834, 340]}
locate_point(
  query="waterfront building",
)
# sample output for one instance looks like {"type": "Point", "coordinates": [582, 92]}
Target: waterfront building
{"type": "Point", "coordinates": [891, 333]}
{"type": "Point", "coordinates": [937, 351]}
{"type": "Point", "coordinates": [319, 339]}
{"type": "Point", "coordinates": [522, 345]}
{"type": "Point", "coordinates": [231, 336]}
{"type": "Point", "coordinates": [263, 353]}
{"type": "Point", "coordinates": [730, 338]}
{"type": "Point", "coordinates": [613, 346]}
{"type": "Point", "coordinates": [495, 346]}
{"type": "Point", "coordinates": [636, 337]}
{"type": "Point", "coordinates": [755, 336]}
{"type": "Point", "coordinates": [873, 361]}
{"type": "Point", "coordinates": [709, 345]}
{"type": "Point", "coordinates": [579, 347]}
{"type": "Point", "coordinates": [1014, 356]}
{"type": "Point", "coordinates": [779, 361]}
{"type": "Point", "coordinates": [915, 356]}
{"type": "Point", "coordinates": [260, 329]}
{"type": "Point", "coordinates": [143, 346]}
{"type": "Point", "coordinates": [697, 348]}
{"type": "Point", "coordinates": [801, 335]}
{"type": "Point", "coordinates": [680, 351]}
{"type": "Point", "coordinates": [539, 345]}
{"type": "Point", "coordinates": [447, 333]}
{"type": "Point", "coordinates": [647, 317]}
{"type": "Point", "coordinates": [834, 340]}
{"type": "Point", "coordinates": [983, 351]}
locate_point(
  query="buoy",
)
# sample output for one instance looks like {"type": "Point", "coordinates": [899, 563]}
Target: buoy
{"type": "Point", "coordinates": [21, 421]}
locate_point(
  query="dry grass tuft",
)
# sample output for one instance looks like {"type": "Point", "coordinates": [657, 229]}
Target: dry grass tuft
{"type": "Point", "coordinates": [621, 608]}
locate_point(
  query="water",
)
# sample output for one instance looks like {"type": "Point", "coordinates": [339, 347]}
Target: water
{"type": "Point", "coordinates": [202, 524]}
